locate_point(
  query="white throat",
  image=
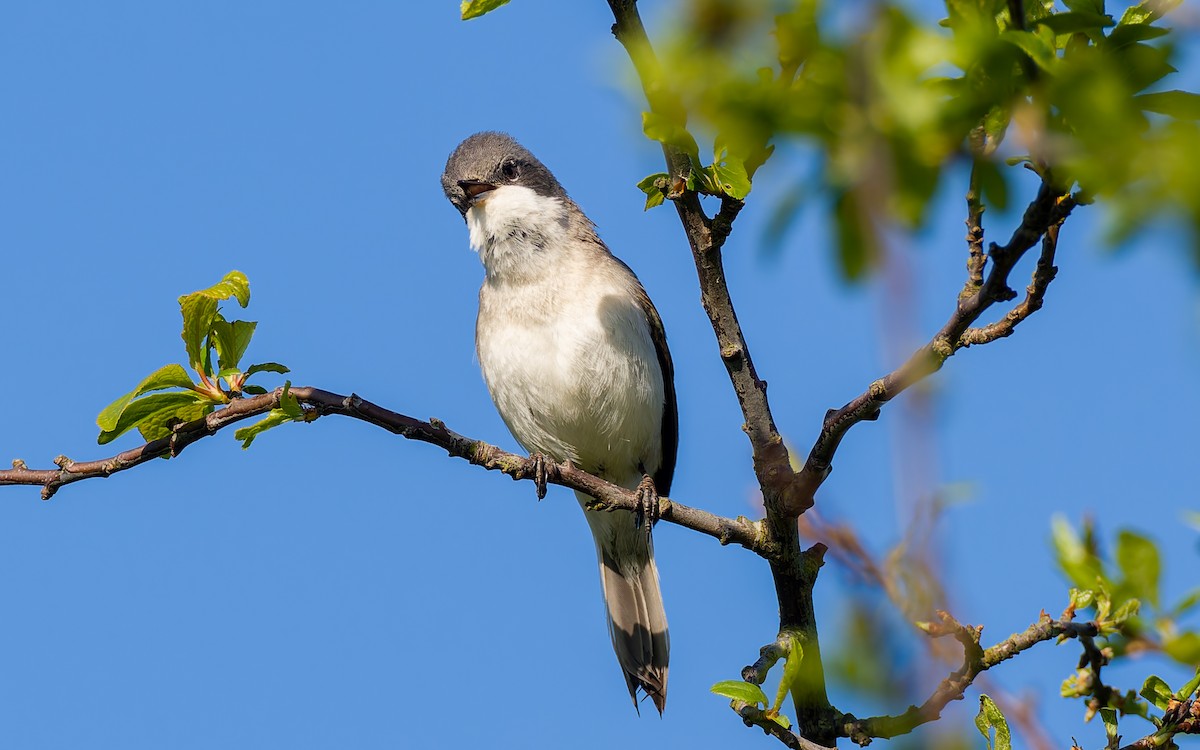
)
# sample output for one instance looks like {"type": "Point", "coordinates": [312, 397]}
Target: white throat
{"type": "Point", "coordinates": [512, 226]}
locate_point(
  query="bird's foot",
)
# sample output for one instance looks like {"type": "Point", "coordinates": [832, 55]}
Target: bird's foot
{"type": "Point", "coordinates": [539, 473]}
{"type": "Point", "coordinates": [648, 509]}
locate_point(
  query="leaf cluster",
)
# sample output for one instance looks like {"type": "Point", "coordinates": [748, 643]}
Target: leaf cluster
{"type": "Point", "coordinates": [169, 396]}
{"type": "Point", "coordinates": [888, 106]}
{"type": "Point", "coordinates": [1122, 596]}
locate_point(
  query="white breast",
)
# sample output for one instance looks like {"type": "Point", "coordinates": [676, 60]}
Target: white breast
{"type": "Point", "coordinates": [563, 343]}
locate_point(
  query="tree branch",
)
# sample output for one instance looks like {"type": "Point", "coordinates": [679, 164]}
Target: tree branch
{"type": "Point", "coordinates": [976, 660]}
{"type": "Point", "coordinates": [1042, 217]}
{"type": "Point", "coordinates": [706, 236]}
{"type": "Point", "coordinates": [1181, 717]}
{"type": "Point", "coordinates": [318, 403]}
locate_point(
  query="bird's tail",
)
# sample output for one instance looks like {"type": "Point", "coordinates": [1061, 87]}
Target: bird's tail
{"type": "Point", "coordinates": [637, 621]}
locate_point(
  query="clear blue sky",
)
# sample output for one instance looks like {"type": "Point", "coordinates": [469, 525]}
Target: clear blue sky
{"type": "Point", "coordinates": [336, 586]}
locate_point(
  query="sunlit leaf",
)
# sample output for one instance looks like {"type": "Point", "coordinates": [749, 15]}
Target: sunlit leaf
{"type": "Point", "coordinates": [1157, 692]}
{"type": "Point", "coordinates": [1182, 104]}
{"type": "Point", "coordinates": [1148, 11]}
{"type": "Point", "coordinates": [1033, 45]}
{"type": "Point", "coordinates": [1076, 21]}
{"type": "Point", "coordinates": [1188, 688]}
{"type": "Point", "coordinates": [168, 376]}
{"type": "Point", "coordinates": [1138, 559]}
{"type": "Point", "coordinates": [738, 690]}
{"type": "Point", "coordinates": [990, 720]}
{"type": "Point", "coordinates": [231, 340]}
{"type": "Point", "coordinates": [155, 409]}
{"type": "Point", "coordinates": [476, 8]}
{"type": "Point", "coordinates": [267, 367]}
{"type": "Point", "coordinates": [1109, 717]}
{"type": "Point", "coordinates": [274, 418]}
{"type": "Point", "coordinates": [1183, 648]}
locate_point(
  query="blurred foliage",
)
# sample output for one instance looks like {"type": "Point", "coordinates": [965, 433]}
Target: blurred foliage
{"type": "Point", "coordinates": [1121, 593]}
{"type": "Point", "coordinates": [889, 101]}
{"type": "Point", "coordinates": [169, 396]}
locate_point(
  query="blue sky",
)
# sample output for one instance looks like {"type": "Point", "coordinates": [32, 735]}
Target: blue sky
{"type": "Point", "coordinates": [336, 586]}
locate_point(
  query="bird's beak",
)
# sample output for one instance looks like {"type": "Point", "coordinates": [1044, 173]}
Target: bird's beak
{"type": "Point", "coordinates": [475, 188]}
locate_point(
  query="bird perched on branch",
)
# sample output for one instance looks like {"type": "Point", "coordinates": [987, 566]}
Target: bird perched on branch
{"type": "Point", "coordinates": [575, 358]}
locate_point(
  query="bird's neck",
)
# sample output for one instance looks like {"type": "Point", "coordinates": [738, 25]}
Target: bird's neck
{"type": "Point", "coordinates": [516, 230]}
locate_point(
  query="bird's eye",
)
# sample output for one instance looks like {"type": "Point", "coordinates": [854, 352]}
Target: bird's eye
{"type": "Point", "coordinates": [509, 169]}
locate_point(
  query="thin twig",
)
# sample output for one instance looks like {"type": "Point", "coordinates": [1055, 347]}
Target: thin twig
{"type": "Point", "coordinates": [975, 661]}
{"type": "Point", "coordinates": [755, 716]}
{"type": "Point", "coordinates": [1049, 209]}
{"type": "Point", "coordinates": [1035, 294]}
{"type": "Point", "coordinates": [318, 403]}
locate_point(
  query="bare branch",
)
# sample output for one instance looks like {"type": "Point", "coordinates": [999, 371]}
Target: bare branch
{"type": "Point", "coordinates": [1048, 210]}
{"type": "Point", "coordinates": [976, 258]}
{"type": "Point", "coordinates": [975, 661]}
{"type": "Point", "coordinates": [706, 236]}
{"type": "Point", "coordinates": [1035, 293]}
{"type": "Point", "coordinates": [319, 403]}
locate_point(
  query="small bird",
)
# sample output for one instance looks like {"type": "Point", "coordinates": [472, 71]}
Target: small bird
{"type": "Point", "coordinates": [575, 358]}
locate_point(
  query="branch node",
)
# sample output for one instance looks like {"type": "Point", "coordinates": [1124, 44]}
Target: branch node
{"type": "Point", "coordinates": [63, 463]}
{"type": "Point", "coordinates": [18, 464]}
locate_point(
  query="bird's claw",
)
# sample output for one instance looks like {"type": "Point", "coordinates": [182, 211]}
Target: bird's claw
{"type": "Point", "coordinates": [648, 508]}
{"type": "Point", "coordinates": [539, 474]}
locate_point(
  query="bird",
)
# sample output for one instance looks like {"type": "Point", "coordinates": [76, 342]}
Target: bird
{"type": "Point", "coordinates": [574, 355]}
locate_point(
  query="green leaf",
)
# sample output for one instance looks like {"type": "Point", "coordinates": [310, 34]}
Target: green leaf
{"type": "Point", "coordinates": [274, 418]}
{"type": "Point", "coordinates": [1144, 65]}
{"type": "Point", "coordinates": [1085, 6]}
{"type": "Point", "coordinates": [1148, 11]}
{"type": "Point", "coordinates": [1082, 598]}
{"type": "Point", "coordinates": [254, 390]}
{"type": "Point", "coordinates": [1123, 36]}
{"type": "Point", "coordinates": [198, 313]}
{"type": "Point", "coordinates": [1137, 557]}
{"type": "Point", "coordinates": [665, 130]}
{"type": "Point", "coordinates": [153, 429]}
{"type": "Point", "coordinates": [267, 367]}
{"type": "Point", "coordinates": [1042, 54]}
{"type": "Point", "coordinates": [655, 195]}
{"type": "Point", "coordinates": [288, 403]}
{"type": "Point", "coordinates": [1109, 716]}
{"type": "Point", "coordinates": [168, 376]}
{"type": "Point", "coordinates": [1182, 105]}
{"type": "Point", "coordinates": [990, 718]}
{"type": "Point", "coordinates": [200, 310]}
{"type": "Point", "coordinates": [791, 672]}
{"type": "Point", "coordinates": [1128, 609]}
{"type": "Point", "coordinates": [781, 720]}
{"type": "Point", "coordinates": [1189, 600]}
{"type": "Point", "coordinates": [1076, 21]}
{"type": "Point", "coordinates": [476, 8]}
{"type": "Point", "coordinates": [732, 178]}
{"type": "Point", "coordinates": [155, 409]}
{"type": "Point", "coordinates": [1077, 561]}
{"type": "Point", "coordinates": [738, 690]}
{"type": "Point", "coordinates": [1189, 687]}
{"type": "Point", "coordinates": [1184, 648]}
{"type": "Point", "coordinates": [231, 340]}
{"type": "Point", "coordinates": [1157, 692]}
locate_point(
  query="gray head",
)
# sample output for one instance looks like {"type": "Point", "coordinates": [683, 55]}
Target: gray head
{"type": "Point", "coordinates": [488, 160]}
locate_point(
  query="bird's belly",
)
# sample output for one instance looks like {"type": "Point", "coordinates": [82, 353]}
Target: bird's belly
{"type": "Point", "coordinates": [578, 393]}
